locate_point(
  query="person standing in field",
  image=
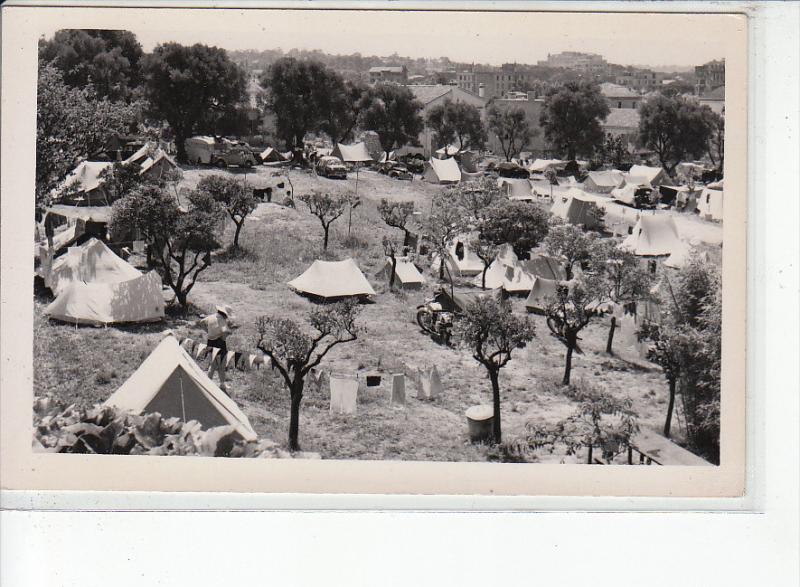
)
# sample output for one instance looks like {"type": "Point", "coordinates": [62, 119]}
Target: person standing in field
{"type": "Point", "coordinates": [218, 326]}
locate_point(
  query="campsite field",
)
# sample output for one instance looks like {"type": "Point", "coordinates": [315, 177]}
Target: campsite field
{"type": "Point", "coordinates": [86, 365]}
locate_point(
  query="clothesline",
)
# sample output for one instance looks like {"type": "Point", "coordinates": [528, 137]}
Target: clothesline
{"type": "Point", "coordinates": [237, 359]}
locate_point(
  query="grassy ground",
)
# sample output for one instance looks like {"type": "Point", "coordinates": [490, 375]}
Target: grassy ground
{"type": "Point", "coordinates": [85, 365]}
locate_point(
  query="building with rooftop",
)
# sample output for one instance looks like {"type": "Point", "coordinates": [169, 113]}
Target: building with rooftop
{"type": "Point", "coordinates": [388, 74]}
{"type": "Point", "coordinates": [584, 62]}
{"type": "Point", "coordinates": [618, 96]}
{"type": "Point", "coordinates": [432, 95]}
{"type": "Point", "coordinates": [709, 76]}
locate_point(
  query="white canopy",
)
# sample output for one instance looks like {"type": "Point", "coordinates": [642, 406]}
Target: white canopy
{"type": "Point", "coordinates": [333, 279]}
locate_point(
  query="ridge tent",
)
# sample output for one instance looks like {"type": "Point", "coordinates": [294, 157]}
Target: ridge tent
{"type": "Point", "coordinates": [270, 155]}
{"type": "Point", "coordinates": [442, 171]}
{"type": "Point", "coordinates": [462, 261]}
{"type": "Point", "coordinates": [101, 303]}
{"type": "Point", "coordinates": [541, 290]}
{"type": "Point", "coordinates": [171, 383]}
{"type": "Point", "coordinates": [406, 273]}
{"type": "Point", "coordinates": [654, 235]}
{"type": "Point", "coordinates": [709, 204]}
{"type": "Point", "coordinates": [332, 279]}
{"type": "Point", "coordinates": [85, 183]}
{"type": "Point", "coordinates": [542, 165]}
{"type": "Point", "coordinates": [575, 207]}
{"type": "Point", "coordinates": [511, 277]}
{"type": "Point", "coordinates": [603, 182]}
{"type": "Point", "coordinates": [655, 176]}
{"type": "Point", "coordinates": [89, 263]}
{"type": "Point", "coordinates": [355, 153]}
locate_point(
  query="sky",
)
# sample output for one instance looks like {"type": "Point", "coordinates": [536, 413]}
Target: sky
{"type": "Point", "coordinates": [494, 38]}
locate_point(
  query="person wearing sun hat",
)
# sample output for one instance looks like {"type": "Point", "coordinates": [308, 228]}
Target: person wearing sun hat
{"type": "Point", "coordinates": [218, 326]}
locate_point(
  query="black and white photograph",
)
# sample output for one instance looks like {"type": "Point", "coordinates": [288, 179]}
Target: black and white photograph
{"type": "Point", "coordinates": [310, 241]}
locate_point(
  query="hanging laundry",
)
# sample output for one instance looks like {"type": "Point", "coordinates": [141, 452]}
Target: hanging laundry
{"type": "Point", "coordinates": [344, 393]}
{"type": "Point", "coordinates": [200, 350]}
{"type": "Point", "coordinates": [188, 345]}
{"type": "Point", "coordinates": [399, 388]}
{"type": "Point", "coordinates": [214, 353]}
{"type": "Point", "coordinates": [230, 358]}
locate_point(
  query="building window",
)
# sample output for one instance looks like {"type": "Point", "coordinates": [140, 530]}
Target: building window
{"type": "Point", "coordinates": [619, 104]}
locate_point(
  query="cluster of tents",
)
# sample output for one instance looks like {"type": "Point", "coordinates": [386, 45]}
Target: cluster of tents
{"type": "Point", "coordinates": [94, 286]}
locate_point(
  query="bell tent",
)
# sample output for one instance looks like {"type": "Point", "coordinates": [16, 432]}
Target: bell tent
{"type": "Point", "coordinates": [171, 383]}
{"type": "Point", "coordinates": [332, 279]}
{"type": "Point", "coordinates": [654, 235]}
{"type": "Point", "coordinates": [442, 171]}
{"type": "Point", "coordinates": [100, 303]}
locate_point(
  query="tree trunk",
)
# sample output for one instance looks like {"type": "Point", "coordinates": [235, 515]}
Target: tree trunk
{"type": "Point", "coordinates": [670, 407]}
{"type": "Point", "coordinates": [589, 459]}
{"type": "Point", "coordinates": [406, 238]}
{"type": "Point", "coordinates": [294, 417]}
{"type": "Point", "coordinates": [497, 435]}
{"type": "Point", "coordinates": [610, 340]}
{"type": "Point", "coordinates": [483, 276]}
{"type": "Point", "coordinates": [236, 234]}
{"type": "Point", "coordinates": [568, 365]}
{"type": "Point", "coordinates": [392, 276]}
{"type": "Point", "coordinates": [325, 242]}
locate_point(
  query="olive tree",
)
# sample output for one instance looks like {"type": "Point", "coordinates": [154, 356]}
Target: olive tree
{"type": "Point", "coordinates": [326, 208]}
{"type": "Point", "coordinates": [295, 349]}
{"type": "Point", "coordinates": [397, 215]}
{"type": "Point", "coordinates": [492, 332]}
{"type": "Point", "coordinates": [235, 198]}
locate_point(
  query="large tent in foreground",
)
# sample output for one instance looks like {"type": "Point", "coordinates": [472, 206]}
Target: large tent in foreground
{"type": "Point", "coordinates": [102, 303]}
{"type": "Point", "coordinates": [332, 279]}
{"type": "Point", "coordinates": [93, 262]}
{"type": "Point", "coordinates": [406, 273]}
{"type": "Point", "coordinates": [442, 171]}
{"type": "Point", "coordinates": [654, 235]}
{"type": "Point", "coordinates": [171, 383]}
{"type": "Point", "coordinates": [575, 207]}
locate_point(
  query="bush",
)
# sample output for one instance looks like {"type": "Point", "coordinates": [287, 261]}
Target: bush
{"type": "Point", "coordinates": [106, 430]}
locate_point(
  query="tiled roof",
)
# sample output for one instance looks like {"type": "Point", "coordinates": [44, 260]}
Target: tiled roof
{"type": "Point", "coordinates": [715, 94]}
{"type": "Point", "coordinates": [610, 90]}
{"type": "Point", "coordinates": [427, 94]}
{"type": "Point", "coordinates": [622, 118]}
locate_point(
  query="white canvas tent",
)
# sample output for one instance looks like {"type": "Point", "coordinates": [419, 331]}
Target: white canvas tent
{"type": "Point", "coordinates": [654, 176]}
{"type": "Point", "coordinates": [355, 153]}
{"type": "Point", "coordinates": [520, 190]}
{"type": "Point", "coordinates": [406, 273]}
{"type": "Point", "coordinates": [442, 171]}
{"type": "Point", "coordinates": [545, 267]}
{"type": "Point", "coordinates": [462, 261]}
{"type": "Point", "coordinates": [541, 292]}
{"type": "Point", "coordinates": [171, 383]}
{"type": "Point", "coordinates": [575, 207]}
{"type": "Point", "coordinates": [270, 155]}
{"type": "Point", "coordinates": [654, 235]}
{"type": "Point", "coordinates": [101, 303]}
{"type": "Point", "coordinates": [332, 279]}
{"type": "Point", "coordinates": [92, 262]}
{"type": "Point", "coordinates": [542, 165]}
{"type": "Point", "coordinates": [709, 204]}
{"type": "Point", "coordinates": [511, 277]}
{"type": "Point", "coordinates": [625, 193]}
{"type": "Point", "coordinates": [603, 182]}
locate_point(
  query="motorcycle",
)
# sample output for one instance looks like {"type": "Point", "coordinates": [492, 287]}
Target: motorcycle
{"type": "Point", "coordinates": [436, 321]}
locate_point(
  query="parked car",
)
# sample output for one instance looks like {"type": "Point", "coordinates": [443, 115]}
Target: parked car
{"type": "Point", "coordinates": [331, 167]}
{"type": "Point", "coordinates": [238, 157]}
{"type": "Point", "coordinates": [399, 171]}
